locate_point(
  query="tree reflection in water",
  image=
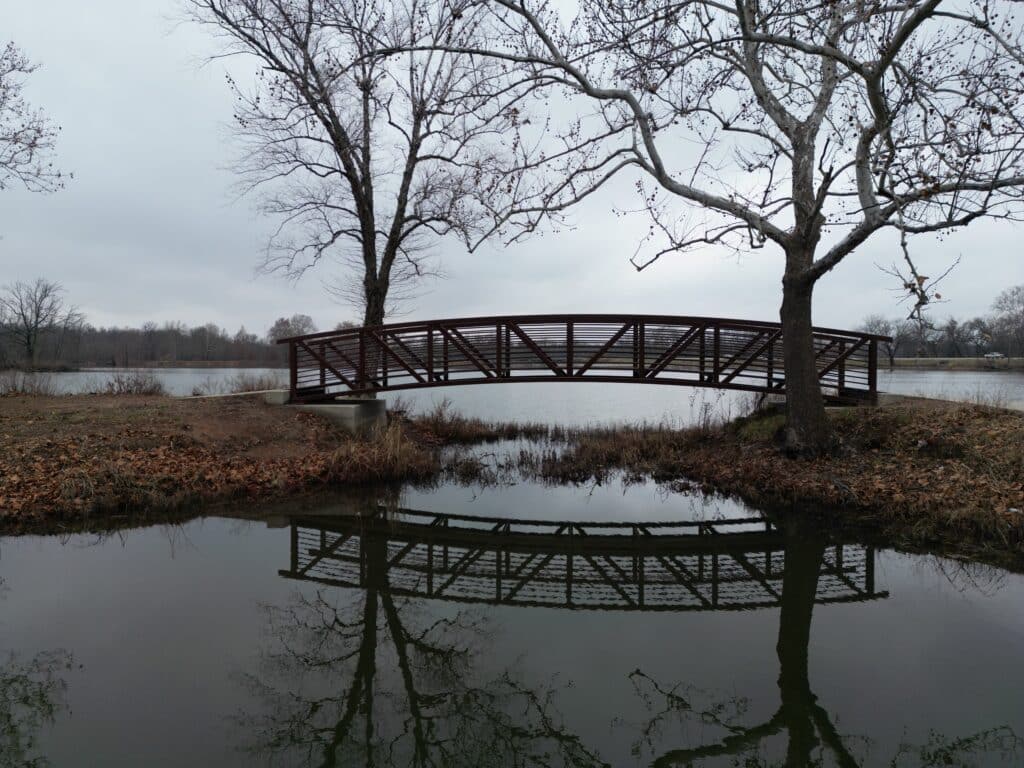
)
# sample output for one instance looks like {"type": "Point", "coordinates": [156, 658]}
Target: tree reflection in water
{"type": "Point", "coordinates": [375, 681]}
{"type": "Point", "coordinates": [32, 693]}
{"type": "Point", "coordinates": [811, 737]}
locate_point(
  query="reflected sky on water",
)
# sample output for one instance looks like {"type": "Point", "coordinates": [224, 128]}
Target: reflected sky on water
{"type": "Point", "coordinates": [207, 644]}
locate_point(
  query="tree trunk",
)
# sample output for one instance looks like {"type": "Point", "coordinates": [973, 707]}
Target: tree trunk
{"type": "Point", "coordinates": [375, 296]}
{"type": "Point", "coordinates": [373, 313]}
{"type": "Point", "coordinates": [807, 429]}
{"type": "Point", "coordinates": [804, 556]}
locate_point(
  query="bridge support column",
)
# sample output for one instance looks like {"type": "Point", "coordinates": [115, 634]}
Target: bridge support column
{"type": "Point", "coordinates": [356, 415]}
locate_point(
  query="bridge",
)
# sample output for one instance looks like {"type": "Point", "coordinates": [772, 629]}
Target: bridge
{"type": "Point", "coordinates": [641, 349]}
{"type": "Point", "coordinates": [722, 565]}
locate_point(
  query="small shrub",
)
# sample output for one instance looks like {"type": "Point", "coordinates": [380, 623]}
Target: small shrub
{"type": "Point", "coordinates": [254, 382]}
{"type": "Point", "coordinates": [134, 383]}
{"type": "Point", "coordinates": [445, 426]}
{"type": "Point", "coordinates": [239, 383]}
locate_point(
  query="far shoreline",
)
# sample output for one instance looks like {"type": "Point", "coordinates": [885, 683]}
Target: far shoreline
{"type": "Point", "coordinates": [954, 364]}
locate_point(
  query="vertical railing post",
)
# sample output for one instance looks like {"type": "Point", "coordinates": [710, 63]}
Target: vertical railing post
{"type": "Point", "coordinates": [293, 373]}
{"type": "Point", "coordinates": [508, 350]}
{"type": "Point", "coordinates": [497, 351]}
{"type": "Point", "coordinates": [363, 383]}
{"type": "Point", "coordinates": [444, 350]}
{"type": "Point", "coordinates": [323, 368]}
{"type": "Point", "coordinates": [714, 579]}
{"type": "Point", "coordinates": [715, 354]}
{"type": "Point", "coordinates": [643, 349]}
{"type": "Point", "coordinates": [295, 547]}
{"type": "Point", "coordinates": [841, 374]}
{"type": "Point", "coordinates": [873, 370]}
{"type": "Point", "coordinates": [430, 352]}
{"type": "Point", "coordinates": [568, 348]}
{"type": "Point", "coordinates": [702, 353]}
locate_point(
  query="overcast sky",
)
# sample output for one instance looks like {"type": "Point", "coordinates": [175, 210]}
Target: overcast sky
{"type": "Point", "coordinates": [149, 229]}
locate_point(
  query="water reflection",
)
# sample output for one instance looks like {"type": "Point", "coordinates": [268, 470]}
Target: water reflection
{"type": "Point", "coordinates": [734, 564]}
{"type": "Point", "coordinates": [373, 677]}
{"type": "Point", "coordinates": [32, 693]}
{"type": "Point", "coordinates": [376, 681]}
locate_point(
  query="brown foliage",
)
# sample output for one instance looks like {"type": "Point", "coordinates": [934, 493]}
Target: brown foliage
{"type": "Point", "coordinates": [74, 457]}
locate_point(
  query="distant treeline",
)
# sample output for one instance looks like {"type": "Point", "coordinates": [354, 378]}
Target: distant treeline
{"type": "Point", "coordinates": [170, 343]}
{"type": "Point", "coordinates": [39, 330]}
{"type": "Point", "coordinates": [1001, 332]}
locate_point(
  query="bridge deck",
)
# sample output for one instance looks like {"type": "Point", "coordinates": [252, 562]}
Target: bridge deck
{"type": "Point", "coordinates": [642, 349]}
{"type": "Point", "coordinates": [721, 565]}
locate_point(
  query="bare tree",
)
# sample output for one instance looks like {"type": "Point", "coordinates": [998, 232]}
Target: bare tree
{"type": "Point", "coordinates": [296, 325]}
{"type": "Point", "coordinates": [27, 310]}
{"type": "Point", "coordinates": [1009, 309]}
{"type": "Point", "coordinates": [882, 326]}
{"type": "Point", "coordinates": [27, 137]}
{"type": "Point", "coordinates": [922, 290]}
{"type": "Point", "coordinates": [809, 127]}
{"type": "Point", "coordinates": [364, 156]}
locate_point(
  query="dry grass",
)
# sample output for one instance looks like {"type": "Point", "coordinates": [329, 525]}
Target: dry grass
{"type": "Point", "coordinates": [13, 382]}
{"type": "Point", "coordinates": [385, 456]}
{"type": "Point", "coordinates": [244, 381]}
{"type": "Point", "coordinates": [443, 426]}
{"type": "Point", "coordinates": [67, 459]}
{"type": "Point", "coordinates": [142, 383]}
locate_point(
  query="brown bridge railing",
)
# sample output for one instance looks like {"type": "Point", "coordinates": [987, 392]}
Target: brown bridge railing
{"type": "Point", "coordinates": [641, 349]}
{"type": "Point", "coordinates": [716, 565]}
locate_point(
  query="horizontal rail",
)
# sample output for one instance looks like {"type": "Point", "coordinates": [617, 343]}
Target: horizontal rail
{"type": "Point", "coordinates": [649, 349]}
{"type": "Point", "coordinates": [567, 564]}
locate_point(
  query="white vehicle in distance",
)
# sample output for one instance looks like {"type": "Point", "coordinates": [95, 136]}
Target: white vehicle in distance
{"type": "Point", "coordinates": [995, 356]}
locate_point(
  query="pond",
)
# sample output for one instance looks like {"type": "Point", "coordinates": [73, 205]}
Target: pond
{"type": "Point", "coordinates": [419, 631]}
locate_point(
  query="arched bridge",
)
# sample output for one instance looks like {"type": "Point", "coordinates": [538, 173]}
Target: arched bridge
{"type": "Point", "coordinates": [721, 565]}
{"type": "Point", "coordinates": [642, 349]}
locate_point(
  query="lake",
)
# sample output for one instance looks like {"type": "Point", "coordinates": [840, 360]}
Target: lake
{"type": "Point", "coordinates": [590, 402]}
{"type": "Point", "coordinates": [414, 636]}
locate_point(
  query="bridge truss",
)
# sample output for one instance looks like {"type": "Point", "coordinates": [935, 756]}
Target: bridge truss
{"type": "Point", "coordinates": [687, 566]}
{"type": "Point", "coordinates": [643, 349]}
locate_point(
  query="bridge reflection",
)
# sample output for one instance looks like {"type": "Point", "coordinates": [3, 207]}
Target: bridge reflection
{"type": "Point", "coordinates": [717, 565]}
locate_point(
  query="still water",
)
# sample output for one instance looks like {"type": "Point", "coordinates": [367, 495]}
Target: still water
{"type": "Point", "coordinates": [421, 638]}
{"type": "Point", "coordinates": [587, 402]}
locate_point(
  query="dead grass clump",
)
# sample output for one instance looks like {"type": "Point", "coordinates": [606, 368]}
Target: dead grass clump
{"type": "Point", "coordinates": [247, 381]}
{"type": "Point", "coordinates": [443, 426]}
{"type": "Point", "coordinates": [593, 454]}
{"type": "Point", "coordinates": [386, 455]}
{"type": "Point", "coordinates": [30, 384]}
{"type": "Point", "coordinates": [134, 383]}
{"type": "Point", "coordinates": [239, 383]}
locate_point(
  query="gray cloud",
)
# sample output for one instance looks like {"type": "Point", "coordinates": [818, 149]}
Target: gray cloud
{"type": "Point", "coordinates": [150, 228]}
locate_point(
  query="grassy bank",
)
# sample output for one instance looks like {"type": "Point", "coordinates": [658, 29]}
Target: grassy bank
{"type": "Point", "coordinates": [916, 472]}
{"type": "Point", "coordinates": [68, 458]}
